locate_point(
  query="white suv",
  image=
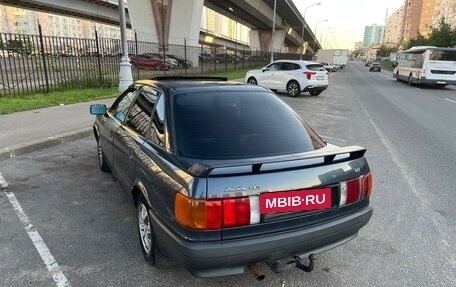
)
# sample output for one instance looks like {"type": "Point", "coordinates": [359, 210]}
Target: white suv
{"type": "Point", "coordinates": [291, 75]}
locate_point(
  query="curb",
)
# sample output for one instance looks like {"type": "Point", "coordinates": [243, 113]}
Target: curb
{"type": "Point", "coordinates": [24, 148]}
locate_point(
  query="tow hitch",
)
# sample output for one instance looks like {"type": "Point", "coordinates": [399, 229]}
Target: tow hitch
{"type": "Point", "coordinates": [306, 268]}
{"type": "Point", "coordinates": [278, 267]}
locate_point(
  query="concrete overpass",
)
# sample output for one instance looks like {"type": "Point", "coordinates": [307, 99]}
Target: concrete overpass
{"type": "Point", "coordinates": [158, 19]}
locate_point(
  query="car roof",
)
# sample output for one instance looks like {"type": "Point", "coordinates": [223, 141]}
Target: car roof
{"type": "Point", "coordinates": [191, 84]}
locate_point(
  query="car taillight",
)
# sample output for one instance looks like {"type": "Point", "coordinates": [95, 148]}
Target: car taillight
{"type": "Point", "coordinates": [212, 213]}
{"type": "Point", "coordinates": [355, 189]}
{"type": "Point", "coordinates": [309, 74]}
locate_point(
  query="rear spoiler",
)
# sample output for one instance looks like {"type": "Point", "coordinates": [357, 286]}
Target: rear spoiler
{"type": "Point", "coordinates": [308, 159]}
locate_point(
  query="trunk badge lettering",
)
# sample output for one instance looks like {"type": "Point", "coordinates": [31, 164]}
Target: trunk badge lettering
{"type": "Point", "coordinates": [242, 188]}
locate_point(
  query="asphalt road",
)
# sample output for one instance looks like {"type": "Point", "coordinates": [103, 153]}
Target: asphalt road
{"type": "Point", "coordinates": [88, 224]}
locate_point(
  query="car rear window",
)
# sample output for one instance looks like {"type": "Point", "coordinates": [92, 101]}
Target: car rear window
{"type": "Point", "coordinates": [227, 125]}
{"type": "Point", "coordinates": [315, 67]}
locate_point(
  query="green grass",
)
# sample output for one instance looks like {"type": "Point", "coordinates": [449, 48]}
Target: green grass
{"type": "Point", "coordinates": [11, 104]}
{"type": "Point", "coordinates": [387, 65]}
{"type": "Point", "coordinates": [16, 103]}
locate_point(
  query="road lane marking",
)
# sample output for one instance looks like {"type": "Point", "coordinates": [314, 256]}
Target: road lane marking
{"type": "Point", "coordinates": [3, 183]}
{"type": "Point", "coordinates": [454, 102]}
{"type": "Point", "coordinates": [52, 266]}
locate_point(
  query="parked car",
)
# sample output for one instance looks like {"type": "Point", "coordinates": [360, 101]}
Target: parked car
{"type": "Point", "coordinates": [173, 63]}
{"type": "Point", "coordinates": [220, 184]}
{"type": "Point", "coordinates": [181, 62]}
{"type": "Point", "coordinates": [375, 67]}
{"type": "Point", "coordinates": [145, 61]}
{"type": "Point", "coordinates": [291, 75]}
{"type": "Point", "coordinates": [329, 67]}
{"type": "Point", "coordinates": [226, 58]}
{"type": "Point", "coordinates": [205, 57]}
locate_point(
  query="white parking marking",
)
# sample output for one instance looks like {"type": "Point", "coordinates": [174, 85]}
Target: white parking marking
{"type": "Point", "coordinates": [329, 115]}
{"type": "Point", "coordinates": [454, 102]}
{"type": "Point", "coordinates": [331, 138]}
{"type": "Point", "coordinates": [52, 266]}
{"type": "Point", "coordinates": [3, 183]}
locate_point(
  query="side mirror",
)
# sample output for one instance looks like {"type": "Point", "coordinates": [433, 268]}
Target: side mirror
{"type": "Point", "coordinates": [98, 109]}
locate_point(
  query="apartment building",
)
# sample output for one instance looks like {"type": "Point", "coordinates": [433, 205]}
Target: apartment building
{"type": "Point", "coordinates": [372, 35]}
{"type": "Point", "coordinates": [445, 9]}
{"type": "Point", "coordinates": [394, 28]}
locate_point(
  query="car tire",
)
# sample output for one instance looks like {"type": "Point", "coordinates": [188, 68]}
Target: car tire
{"type": "Point", "coordinates": [397, 76]}
{"type": "Point", "coordinates": [410, 80]}
{"type": "Point", "coordinates": [102, 163]}
{"type": "Point", "coordinates": [146, 233]}
{"type": "Point", "coordinates": [293, 89]}
{"type": "Point", "coordinates": [252, 81]}
{"type": "Point", "coordinates": [315, 93]}
{"type": "Point", "coordinates": [379, 70]}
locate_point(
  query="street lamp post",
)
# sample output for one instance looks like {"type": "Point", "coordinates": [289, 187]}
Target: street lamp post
{"type": "Point", "coordinates": [273, 31]}
{"type": "Point", "coordinates": [125, 75]}
{"type": "Point", "coordinates": [304, 26]}
{"type": "Point", "coordinates": [315, 33]}
{"type": "Point", "coordinates": [235, 36]}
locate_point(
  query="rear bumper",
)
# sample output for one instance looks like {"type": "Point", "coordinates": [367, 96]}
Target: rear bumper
{"type": "Point", "coordinates": [219, 258]}
{"type": "Point", "coordinates": [423, 80]}
{"type": "Point", "coordinates": [315, 88]}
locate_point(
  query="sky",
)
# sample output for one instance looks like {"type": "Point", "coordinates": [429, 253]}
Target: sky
{"type": "Point", "coordinates": [346, 18]}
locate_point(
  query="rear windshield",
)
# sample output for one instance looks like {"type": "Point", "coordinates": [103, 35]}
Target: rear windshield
{"type": "Point", "coordinates": [375, 64]}
{"type": "Point", "coordinates": [315, 67]}
{"type": "Point", "coordinates": [227, 125]}
{"type": "Point", "coordinates": [443, 56]}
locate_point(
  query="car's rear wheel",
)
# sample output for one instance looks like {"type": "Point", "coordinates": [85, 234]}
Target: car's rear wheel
{"type": "Point", "coordinates": [397, 76]}
{"type": "Point", "coordinates": [102, 163]}
{"type": "Point", "coordinates": [293, 89]}
{"type": "Point", "coordinates": [252, 81]}
{"type": "Point", "coordinates": [315, 93]}
{"type": "Point", "coordinates": [146, 231]}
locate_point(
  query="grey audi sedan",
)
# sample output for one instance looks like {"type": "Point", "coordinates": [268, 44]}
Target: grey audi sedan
{"type": "Point", "coordinates": [226, 176]}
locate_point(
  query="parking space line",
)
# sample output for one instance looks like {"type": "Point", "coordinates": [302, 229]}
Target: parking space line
{"type": "Point", "coordinates": [3, 183]}
{"type": "Point", "coordinates": [324, 114]}
{"type": "Point", "coordinates": [454, 102]}
{"type": "Point", "coordinates": [331, 138]}
{"type": "Point", "coordinates": [52, 266]}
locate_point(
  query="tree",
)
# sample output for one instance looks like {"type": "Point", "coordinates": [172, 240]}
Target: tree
{"type": "Point", "coordinates": [443, 35]}
{"type": "Point", "coordinates": [385, 51]}
{"type": "Point", "coordinates": [420, 40]}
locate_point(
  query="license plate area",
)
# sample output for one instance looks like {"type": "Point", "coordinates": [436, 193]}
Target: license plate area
{"type": "Point", "coordinates": [321, 78]}
{"type": "Point", "coordinates": [295, 201]}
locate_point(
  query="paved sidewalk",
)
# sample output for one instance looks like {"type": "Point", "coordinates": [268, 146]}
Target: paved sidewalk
{"type": "Point", "coordinates": [24, 132]}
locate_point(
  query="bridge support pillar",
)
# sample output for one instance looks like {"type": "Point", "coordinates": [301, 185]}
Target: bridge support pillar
{"type": "Point", "coordinates": [260, 40]}
{"type": "Point", "coordinates": [155, 20]}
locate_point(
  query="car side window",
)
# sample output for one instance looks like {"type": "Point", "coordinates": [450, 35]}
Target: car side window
{"type": "Point", "coordinates": [139, 116]}
{"type": "Point", "coordinates": [120, 108]}
{"type": "Point", "coordinates": [273, 67]}
{"type": "Point", "coordinates": [157, 132]}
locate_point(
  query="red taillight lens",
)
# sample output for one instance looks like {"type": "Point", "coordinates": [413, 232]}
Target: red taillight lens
{"type": "Point", "coordinates": [211, 214]}
{"type": "Point", "coordinates": [355, 189]}
{"type": "Point", "coordinates": [309, 74]}
{"type": "Point", "coordinates": [236, 212]}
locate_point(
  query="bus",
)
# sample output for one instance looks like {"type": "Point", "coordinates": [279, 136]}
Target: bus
{"type": "Point", "coordinates": [426, 65]}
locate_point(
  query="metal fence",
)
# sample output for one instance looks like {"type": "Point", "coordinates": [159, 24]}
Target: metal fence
{"type": "Point", "coordinates": [38, 63]}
